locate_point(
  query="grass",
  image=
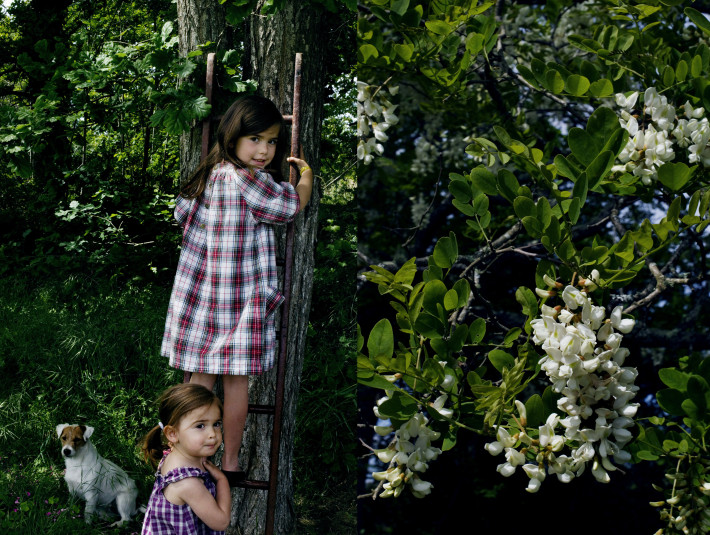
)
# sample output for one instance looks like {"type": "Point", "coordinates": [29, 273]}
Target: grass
{"type": "Point", "coordinates": [77, 349]}
{"type": "Point", "coordinates": [80, 350]}
{"type": "Point", "coordinates": [74, 351]}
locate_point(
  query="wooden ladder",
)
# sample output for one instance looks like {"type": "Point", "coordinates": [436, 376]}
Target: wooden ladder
{"type": "Point", "coordinates": [276, 410]}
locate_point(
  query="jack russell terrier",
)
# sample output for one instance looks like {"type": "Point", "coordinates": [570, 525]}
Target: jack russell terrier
{"type": "Point", "coordinates": [91, 477]}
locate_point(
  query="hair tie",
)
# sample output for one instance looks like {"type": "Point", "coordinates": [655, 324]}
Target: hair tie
{"type": "Point", "coordinates": [160, 424]}
{"type": "Point", "coordinates": [304, 169]}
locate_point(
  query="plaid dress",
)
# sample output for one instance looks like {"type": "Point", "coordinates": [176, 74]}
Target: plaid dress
{"type": "Point", "coordinates": [165, 518]}
{"type": "Point", "coordinates": [221, 314]}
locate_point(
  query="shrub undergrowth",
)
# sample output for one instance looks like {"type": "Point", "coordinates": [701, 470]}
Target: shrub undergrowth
{"type": "Point", "coordinates": [86, 350]}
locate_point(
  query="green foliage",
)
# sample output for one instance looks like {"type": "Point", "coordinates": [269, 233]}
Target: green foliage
{"type": "Point", "coordinates": [548, 121]}
{"type": "Point", "coordinates": [77, 351]}
{"type": "Point", "coordinates": [681, 437]}
{"type": "Point", "coordinates": [239, 10]}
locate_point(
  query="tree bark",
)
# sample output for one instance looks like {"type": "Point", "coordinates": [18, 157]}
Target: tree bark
{"type": "Point", "coordinates": [199, 21]}
{"type": "Point", "coordinates": [270, 53]}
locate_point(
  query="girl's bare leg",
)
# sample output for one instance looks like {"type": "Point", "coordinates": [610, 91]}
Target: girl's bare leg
{"type": "Point", "coordinates": [236, 405]}
{"type": "Point", "coordinates": [205, 379]}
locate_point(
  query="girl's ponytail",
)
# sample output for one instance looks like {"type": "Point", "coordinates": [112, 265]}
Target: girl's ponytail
{"type": "Point", "coordinates": [152, 446]}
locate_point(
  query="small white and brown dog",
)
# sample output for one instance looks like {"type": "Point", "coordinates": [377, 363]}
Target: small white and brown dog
{"type": "Point", "coordinates": [92, 478]}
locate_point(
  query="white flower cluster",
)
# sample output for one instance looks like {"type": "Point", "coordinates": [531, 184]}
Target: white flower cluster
{"type": "Point", "coordinates": [409, 452]}
{"type": "Point", "coordinates": [584, 362]}
{"type": "Point", "coordinates": [375, 114]}
{"type": "Point", "coordinates": [654, 132]}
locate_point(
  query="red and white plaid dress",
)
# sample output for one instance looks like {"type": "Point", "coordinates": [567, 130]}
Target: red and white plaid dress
{"type": "Point", "coordinates": [221, 313]}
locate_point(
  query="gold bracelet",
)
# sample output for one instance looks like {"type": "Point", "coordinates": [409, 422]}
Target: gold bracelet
{"type": "Point", "coordinates": [304, 169]}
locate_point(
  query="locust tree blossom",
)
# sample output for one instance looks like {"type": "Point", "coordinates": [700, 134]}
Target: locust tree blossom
{"type": "Point", "coordinates": [658, 132]}
{"type": "Point", "coordinates": [375, 114]}
{"type": "Point", "coordinates": [584, 361]}
{"type": "Point", "coordinates": [409, 453]}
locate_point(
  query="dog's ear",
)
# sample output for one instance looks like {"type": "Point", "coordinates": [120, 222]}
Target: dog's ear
{"type": "Point", "coordinates": [88, 431]}
{"type": "Point", "coordinates": [60, 428]}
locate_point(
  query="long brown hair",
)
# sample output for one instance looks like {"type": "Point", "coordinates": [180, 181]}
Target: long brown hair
{"type": "Point", "coordinates": [248, 115]}
{"type": "Point", "coordinates": [173, 405]}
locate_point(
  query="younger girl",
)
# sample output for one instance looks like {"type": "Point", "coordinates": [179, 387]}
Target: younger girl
{"type": "Point", "coordinates": [221, 314]}
{"type": "Point", "coordinates": [190, 495]}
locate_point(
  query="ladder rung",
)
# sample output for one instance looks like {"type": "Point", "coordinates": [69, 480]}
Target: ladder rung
{"type": "Point", "coordinates": [252, 484]}
{"type": "Point", "coordinates": [261, 409]}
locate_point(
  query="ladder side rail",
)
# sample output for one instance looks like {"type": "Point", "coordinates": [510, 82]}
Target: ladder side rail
{"type": "Point", "coordinates": [207, 122]}
{"type": "Point", "coordinates": [281, 364]}
{"type": "Point", "coordinates": [206, 131]}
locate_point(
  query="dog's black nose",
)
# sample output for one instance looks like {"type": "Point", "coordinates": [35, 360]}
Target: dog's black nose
{"type": "Point", "coordinates": [66, 452]}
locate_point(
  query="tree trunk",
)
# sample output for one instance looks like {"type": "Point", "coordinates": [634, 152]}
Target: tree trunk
{"type": "Point", "coordinates": [199, 21]}
{"type": "Point", "coordinates": [269, 59]}
{"type": "Point", "coordinates": [271, 51]}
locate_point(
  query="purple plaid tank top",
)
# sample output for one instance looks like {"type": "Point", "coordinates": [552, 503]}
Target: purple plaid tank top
{"type": "Point", "coordinates": [165, 518]}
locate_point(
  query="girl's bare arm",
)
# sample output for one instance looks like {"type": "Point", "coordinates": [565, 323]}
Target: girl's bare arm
{"type": "Point", "coordinates": [305, 184]}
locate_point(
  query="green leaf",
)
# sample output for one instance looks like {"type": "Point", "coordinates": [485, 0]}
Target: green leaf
{"type": "Point", "coordinates": [675, 175]}
{"type": "Point", "coordinates": [480, 204]}
{"type": "Point", "coordinates": [438, 27]}
{"type": "Point", "coordinates": [405, 274]}
{"type": "Point", "coordinates": [527, 300]}
{"type": "Point", "coordinates": [399, 6]}
{"type": "Point", "coordinates": [602, 125]}
{"type": "Point", "coordinates": [433, 371]}
{"type": "Point", "coordinates": [434, 292]}
{"type": "Point", "coordinates": [670, 400]}
{"type": "Point", "coordinates": [374, 381]}
{"type": "Point", "coordinates": [601, 88]}
{"type": "Point", "coordinates": [463, 290]}
{"type": "Point", "coordinates": [647, 455]}
{"type": "Point", "coordinates": [477, 330]}
{"type": "Point", "coordinates": [464, 208]}
{"type": "Point", "coordinates": [535, 409]}
{"type": "Point", "coordinates": [399, 406]}
{"type": "Point", "coordinates": [698, 19]}
{"type": "Point", "coordinates": [446, 251]}
{"type": "Point", "coordinates": [577, 85]}
{"type": "Point", "coordinates": [674, 378]}
{"type": "Point", "coordinates": [532, 226]}
{"type": "Point", "coordinates": [430, 326]}
{"type": "Point", "coordinates": [451, 300]}
{"type": "Point", "coordinates": [574, 210]}
{"type": "Point", "coordinates": [554, 81]}
{"type": "Point", "coordinates": [501, 360]}
{"type": "Point", "coordinates": [643, 236]}
{"type": "Point", "coordinates": [668, 76]}
{"type": "Point", "coordinates": [580, 188]}
{"type": "Point", "coordinates": [512, 335]}
{"type": "Point", "coordinates": [697, 388]}
{"type": "Point", "coordinates": [380, 343]}
{"type": "Point", "coordinates": [460, 189]}
{"type": "Point", "coordinates": [599, 168]}
{"type": "Point", "coordinates": [524, 207]}
{"type": "Point", "coordinates": [508, 185]}
{"type": "Point", "coordinates": [404, 51]}
{"type": "Point", "coordinates": [483, 180]}
{"type": "Point", "coordinates": [367, 52]}
{"type": "Point", "coordinates": [582, 145]}
{"type": "Point", "coordinates": [625, 248]}
{"type": "Point", "coordinates": [691, 409]}
{"type": "Point", "coordinates": [565, 167]}
{"type": "Point", "coordinates": [696, 66]}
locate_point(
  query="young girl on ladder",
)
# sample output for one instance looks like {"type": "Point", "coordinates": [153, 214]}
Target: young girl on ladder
{"type": "Point", "coordinates": [221, 314]}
